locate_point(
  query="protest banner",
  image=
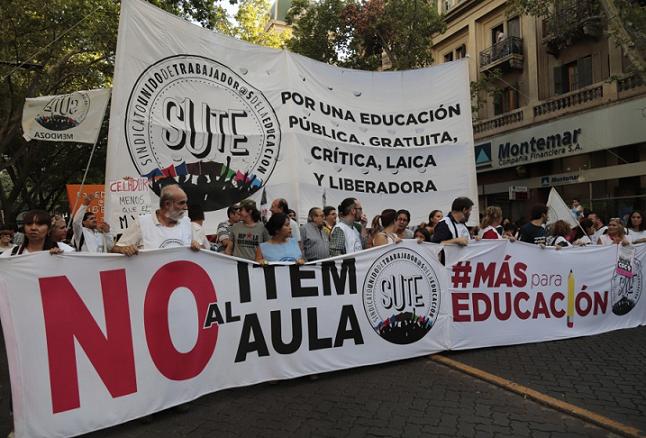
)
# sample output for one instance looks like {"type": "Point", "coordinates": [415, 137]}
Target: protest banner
{"type": "Point", "coordinates": [227, 120]}
{"type": "Point", "coordinates": [96, 340]}
{"type": "Point", "coordinates": [505, 293]}
{"type": "Point", "coordinates": [129, 198]}
{"type": "Point", "coordinates": [75, 117]}
{"type": "Point", "coordinates": [97, 206]}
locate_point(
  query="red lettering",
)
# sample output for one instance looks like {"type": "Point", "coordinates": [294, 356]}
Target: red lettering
{"type": "Point", "coordinates": [519, 272]}
{"type": "Point", "coordinates": [540, 306]}
{"type": "Point", "coordinates": [503, 316]}
{"type": "Point", "coordinates": [556, 312]}
{"type": "Point", "coordinates": [170, 362]}
{"type": "Point", "coordinates": [600, 302]}
{"type": "Point", "coordinates": [583, 296]}
{"type": "Point", "coordinates": [478, 298]}
{"type": "Point", "coordinates": [460, 304]}
{"type": "Point", "coordinates": [521, 314]}
{"type": "Point", "coordinates": [484, 274]}
{"type": "Point", "coordinates": [67, 318]}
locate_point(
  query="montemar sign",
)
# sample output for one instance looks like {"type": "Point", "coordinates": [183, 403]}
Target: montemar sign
{"type": "Point", "coordinates": [540, 148]}
{"type": "Point", "coordinates": [228, 121]}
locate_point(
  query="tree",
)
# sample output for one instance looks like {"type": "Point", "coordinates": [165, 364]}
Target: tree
{"type": "Point", "coordinates": [56, 47]}
{"type": "Point", "coordinates": [356, 33]}
{"type": "Point", "coordinates": [252, 21]}
{"type": "Point", "coordinates": [625, 19]}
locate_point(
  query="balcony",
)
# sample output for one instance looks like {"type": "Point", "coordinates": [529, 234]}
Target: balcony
{"type": "Point", "coordinates": [505, 55]}
{"type": "Point", "coordinates": [591, 95]}
{"type": "Point", "coordinates": [500, 121]}
{"type": "Point", "coordinates": [571, 21]}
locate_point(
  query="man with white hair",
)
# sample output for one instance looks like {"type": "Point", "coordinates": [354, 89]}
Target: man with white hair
{"type": "Point", "coordinates": [165, 228]}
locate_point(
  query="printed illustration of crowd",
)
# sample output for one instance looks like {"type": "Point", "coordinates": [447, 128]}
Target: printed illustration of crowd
{"type": "Point", "coordinates": [329, 231]}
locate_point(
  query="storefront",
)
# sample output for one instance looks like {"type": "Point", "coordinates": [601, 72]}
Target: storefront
{"type": "Point", "coordinates": [597, 157]}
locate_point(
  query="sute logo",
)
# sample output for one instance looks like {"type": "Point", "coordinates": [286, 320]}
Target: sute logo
{"type": "Point", "coordinates": [64, 112]}
{"type": "Point", "coordinates": [401, 296]}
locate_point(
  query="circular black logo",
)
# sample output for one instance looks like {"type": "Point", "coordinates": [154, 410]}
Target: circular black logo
{"type": "Point", "coordinates": [196, 122]}
{"type": "Point", "coordinates": [64, 112]}
{"type": "Point", "coordinates": [401, 296]}
{"type": "Point", "coordinates": [625, 291]}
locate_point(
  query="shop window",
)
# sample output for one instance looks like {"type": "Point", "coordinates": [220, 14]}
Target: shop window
{"type": "Point", "coordinates": [505, 101]}
{"type": "Point", "coordinates": [573, 75]}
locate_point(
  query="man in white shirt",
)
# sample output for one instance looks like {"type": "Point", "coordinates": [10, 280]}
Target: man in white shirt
{"type": "Point", "coordinates": [88, 235]}
{"type": "Point", "coordinates": [346, 237]}
{"type": "Point", "coordinates": [165, 228]}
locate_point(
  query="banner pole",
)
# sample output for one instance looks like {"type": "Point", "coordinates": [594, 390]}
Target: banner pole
{"type": "Point", "coordinates": [78, 194]}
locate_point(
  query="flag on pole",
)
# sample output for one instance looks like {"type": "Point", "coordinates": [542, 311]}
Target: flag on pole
{"type": "Point", "coordinates": [557, 209]}
{"type": "Point", "coordinates": [74, 117]}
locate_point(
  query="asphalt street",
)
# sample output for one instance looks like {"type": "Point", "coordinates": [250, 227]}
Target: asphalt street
{"type": "Point", "coordinates": [604, 374]}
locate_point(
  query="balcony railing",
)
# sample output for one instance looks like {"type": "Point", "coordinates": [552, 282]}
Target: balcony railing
{"type": "Point", "coordinates": [499, 121]}
{"type": "Point", "coordinates": [568, 100]}
{"type": "Point", "coordinates": [510, 49]}
{"type": "Point", "coordinates": [629, 82]}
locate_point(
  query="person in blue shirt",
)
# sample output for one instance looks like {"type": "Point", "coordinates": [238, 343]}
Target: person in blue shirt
{"type": "Point", "coordinates": [281, 247]}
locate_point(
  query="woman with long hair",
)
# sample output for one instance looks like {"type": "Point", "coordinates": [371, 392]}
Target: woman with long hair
{"type": "Point", "coordinates": [490, 221]}
{"type": "Point", "coordinates": [615, 234]}
{"type": "Point", "coordinates": [388, 233]}
{"type": "Point", "coordinates": [434, 218]}
{"type": "Point", "coordinates": [37, 224]}
{"type": "Point", "coordinates": [281, 247]}
{"type": "Point", "coordinates": [636, 227]}
{"type": "Point", "coordinates": [560, 230]}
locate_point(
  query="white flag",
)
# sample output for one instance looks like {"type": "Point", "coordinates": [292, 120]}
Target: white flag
{"type": "Point", "coordinates": [74, 117]}
{"type": "Point", "coordinates": [558, 210]}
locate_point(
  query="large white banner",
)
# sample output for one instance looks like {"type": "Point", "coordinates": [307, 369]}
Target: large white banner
{"type": "Point", "coordinates": [504, 293]}
{"type": "Point", "coordinates": [228, 120]}
{"type": "Point", "coordinates": [75, 117]}
{"type": "Point", "coordinates": [96, 340]}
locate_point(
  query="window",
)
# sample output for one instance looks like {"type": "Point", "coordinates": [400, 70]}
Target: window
{"type": "Point", "coordinates": [448, 57]}
{"type": "Point", "coordinates": [495, 32]}
{"type": "Point", "coordinates": [573, 75]}
{"type": "Point", "coordinates": [461, 52]}
{"type": "Point", "coordinates": [513, 27]}
{"type": "Point", "coordinates": [506, 100]}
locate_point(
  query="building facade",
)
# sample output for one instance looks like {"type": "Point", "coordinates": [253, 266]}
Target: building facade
{"type": "Point", "coordinates": [562, 108]}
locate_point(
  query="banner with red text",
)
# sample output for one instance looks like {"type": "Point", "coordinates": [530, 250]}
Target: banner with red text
{"type": "Point", "coordinates": [504, 293]}
{"type": "Point", "coordinates": [97, 340]}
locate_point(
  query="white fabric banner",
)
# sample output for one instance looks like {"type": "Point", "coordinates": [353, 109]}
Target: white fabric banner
{"type": "Point", "coordinates": [228, 120]}
{"type": "Point", "coordinates": [75, 117]}
{"type": "Point", "coordinates": [96, 340]}
{"type": "Point", "coordinates": [504, 293]}
{"type": "Point", "coordinates": [558, 210]}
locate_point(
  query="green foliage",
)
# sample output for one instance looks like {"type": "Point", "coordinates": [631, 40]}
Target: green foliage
{"type": "Point", "coordinates": [253, 19]}
{"type": "Point", "coordinates": [356, 33]}
{"type": "Point", "coordinates": [486, 86]}
{"type": "Point", "coordinates": [56, 47]}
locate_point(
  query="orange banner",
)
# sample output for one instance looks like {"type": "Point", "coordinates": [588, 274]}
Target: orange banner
{"type": "Point", "coordinates": [97, 204]}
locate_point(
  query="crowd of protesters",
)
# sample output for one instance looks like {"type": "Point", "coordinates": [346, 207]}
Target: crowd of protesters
{"type": "Point", "coordinates": [329, 231]}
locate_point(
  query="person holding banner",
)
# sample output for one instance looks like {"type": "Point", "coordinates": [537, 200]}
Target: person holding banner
{"type": "Point", "coordinates": [167, 227]}
{"type": "Point", "coordinates": [249, 233]}
{"type": "Point", "coordinates": [558, 236]}
{"type": "Point", "coordinates": [636, 228]}
{"type": "Point", "coordinates": [389, 223]}
{"type": "Point", "coordinates": [346, 237]}
{"type": "Point", "coordinates": [615, 233]}
{"type": "Point", "coordinates": [452, 228]}
{"type": "Point", "coordinates": [37, 224]}
{"type": "Point", "coordinates": [534, 230]}
{"type": "Point", "coordinates": [490, 221]}
{"type": "Point", "coordinates": [316, 244]}
{"type": "Point", "coordinates": [89, 236]}
{"type": "Point", "coordinates": [281, 247]}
